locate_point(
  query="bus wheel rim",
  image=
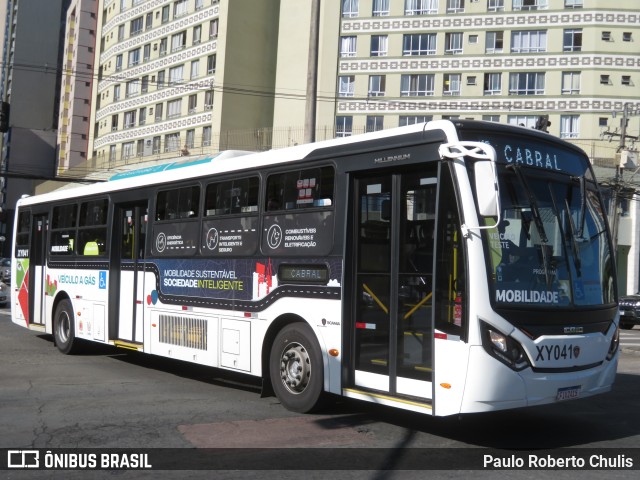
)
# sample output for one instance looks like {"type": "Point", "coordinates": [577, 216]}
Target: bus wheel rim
{"type": "Point", "coordinates": [64, 326]}
{"type": "Point", "coordinates": [295, 368]}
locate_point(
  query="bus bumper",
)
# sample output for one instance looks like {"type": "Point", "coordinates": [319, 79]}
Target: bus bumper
{"type": "Point", "coordinates": [492, 385]}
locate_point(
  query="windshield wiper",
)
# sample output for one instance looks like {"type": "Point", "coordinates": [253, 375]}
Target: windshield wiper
{"type": "Point", "coordinates": [583, 204]}
{"type": "Point", "coordinates": [574, 240]}
{"type": "Point", "coordinates": [537, 219]}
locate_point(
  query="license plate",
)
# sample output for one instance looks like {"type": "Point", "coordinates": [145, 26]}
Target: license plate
{"type": "Point", "coordinates": [568, 393]}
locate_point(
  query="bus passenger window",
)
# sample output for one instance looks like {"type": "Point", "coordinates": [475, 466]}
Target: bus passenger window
{"type": "Point", "coordinates": [63, 230]}
{"type": "Point", "coordinates": [180, 203]}
{"type": "Point", "coordinates": [92, 227]}
{"type": "Point", "coordinates": [232, 197]}
{"type": "Point", "coordinates": [311, 187]}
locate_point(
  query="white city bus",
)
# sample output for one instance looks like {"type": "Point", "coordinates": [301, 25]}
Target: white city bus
{"type": "Point", "coordinates": [443, 268]}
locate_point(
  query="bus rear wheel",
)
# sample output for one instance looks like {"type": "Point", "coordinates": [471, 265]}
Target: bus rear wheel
{"type": "Point", "coordinates": [296, 368]}
{"type": "Point", "coordinates": [64, 328]}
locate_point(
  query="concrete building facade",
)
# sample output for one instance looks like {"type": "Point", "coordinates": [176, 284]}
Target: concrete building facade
{"type": "Point", "coordinates": [175, 76]}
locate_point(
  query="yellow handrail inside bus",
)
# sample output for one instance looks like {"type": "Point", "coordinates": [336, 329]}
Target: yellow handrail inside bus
{"type": "Point", "coordinates": [376, 299]}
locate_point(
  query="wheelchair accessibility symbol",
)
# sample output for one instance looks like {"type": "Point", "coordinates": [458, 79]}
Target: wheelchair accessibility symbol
{"type": "Point", "coordinates": [102, 282]}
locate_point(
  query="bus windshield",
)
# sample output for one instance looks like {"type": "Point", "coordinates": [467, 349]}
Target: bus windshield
{"type": "Point", "coordinates": [551, 247]}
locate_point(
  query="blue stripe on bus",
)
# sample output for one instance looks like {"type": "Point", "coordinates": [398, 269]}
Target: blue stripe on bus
{"type": "Point", "coordinates": [160, 168]}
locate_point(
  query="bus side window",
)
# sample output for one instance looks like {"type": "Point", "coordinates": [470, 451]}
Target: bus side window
{"type": "Point", "coordinates": [63, 230]}
{"type": "Point", "coordinates": [312, 187]}
{"type": "Point", "coordinates": [92, 228]}
{"type": "Point", "coordinates": [178, 203]}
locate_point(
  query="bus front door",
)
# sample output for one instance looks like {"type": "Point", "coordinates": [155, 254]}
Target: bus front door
{"type": "Point", "coordinates": [392, 328]}
{"type": "Point", "coordinates": [127, 273]}
{"type": "Point", "coordinates": [37, 283]}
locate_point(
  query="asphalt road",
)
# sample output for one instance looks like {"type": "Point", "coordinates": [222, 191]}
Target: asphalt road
{"type": "Point", "coordinates": [108, 398]}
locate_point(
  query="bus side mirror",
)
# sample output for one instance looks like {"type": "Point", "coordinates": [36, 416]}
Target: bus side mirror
{"type": "Point", "coordinates": [486, 189]}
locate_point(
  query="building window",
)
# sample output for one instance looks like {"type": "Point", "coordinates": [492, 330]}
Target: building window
{"type": "Point", "coordinates": [174, 108]}
{"type": "Point", "coordinates": [456, 6]}
{"type": "Point", "coordinates": [380, 8]}
{"type": "Point", "coordinates": [142, 116]}
{"type": "Point", "coordinates": [495, 6]}
{"type": "Point", "coordinates": [627, 36]}
{"type": "Point", "coordinates": [573, 3]}
{"type": "Point", "coordinates": [197, 34]}
{"type": "Point", "coordinates": [116, 92]}
{"type": "Point", "coordinates": [530, 4]}
{"type": "Point", "coordinates": [178, 41]}
{"type": "Point", "coordinates": [180, 8]}
{"type": "Point", "coordinates": [208, 100]}
{"type": "Point", "coordinates": [453, 43]}
{"type": "Point", "coordinates": [572, 40]}
{"type": "Point", "coordinates": [495, 42]}
{"type": "Point", "coordinates": [118, 63]}
{"type": "Point", "coordinates": [344, 126]}
{"type": "Point", "coordinates": [134, 57]}
{"type": "Point", "coordinates": [191, 138]}
{"type": "Point", "coordinates": [452, 83]}
{"type": "Point", "coordinates": [172, 142]}
{"type": "Point", "coordinates": [379, 45]}
{"type": "Point", "coordinates": [491, 118]}
{"type": "Point", "coordinates": [163, 46]}
{"type": "Point", "coordinates": [603, 122]}
{"type": "Point", "coordinates": [348, 46]}
{"type": "Point", "coordinates": [526, 83]}
{"type": "Point", "coordinates": [413, 119]}
{"type": "Point", "coordinates": [350, 8]}
{"type": "Point", "coordinates": [605, 80]}
{"type": "Point", "coordinates": [570, 83]}
{"type": "Point", "coordinates": [213, 28]}
{"type": "Point", "coordinates": [161, 82]}
{"type": "Point", "coordinates": [211, 64]}
{"type": "Point", "coordinates": [140, 147]}
{"type": "Point", "coordinates": [114, 122]}
{"type": "Point", "coordinates": [377, 85]}
{"type": "Point", "coordinates": [606, 36]}
{"type": "Point", "coordinates": [136, 26]}
{"type": "Point", "coordinates": [155, 148]}
{"type": "Point", "coordinates": [165, 14]}
{"type": "Point", "coordinates": [375, 123]}
{"type": "Point", "coordinates": [146, 55]}
{"type": "Point", "coordinates": [195, 69]}
{"type": "Point", "coordinates": [569, 126]}
{"type": "Point", "coordinates": [149, 21]}
{"type": "Point", "coordinates": [420, 7]}
{"type": "Point", "coordinates": [626, 80]}
{"type": "Point", "coordinates": [128, 150]}
{"type": "Point", "coordinates": [112, 153]}
{"type": "Point", "coordinates": [419, 44]}
{"type": "Point", "coordinates": [529, 41]}
{"type": "Point", "coordinates": [132, 88]}
{"type": "Point", "coordinates": [206, 136]}
{"type": "Point", "coordinates": [346, 85]}
{"type": "Point", "coordinates": [145, 84]}
{"type": "Point", "coordinates": [528, 121]}
{"type": "Point", "coordinates": [120, 33]}
{"type": "Point", "coordinates": [417, 85]}
{"type": "Point", "coordinates": [493, 83]}
{"type": "Point", "coordinates": [176, 74]}
{"type": "Point", "coordinates": [130, 119]}
{"type": "Point", "coordinates": [193, 103]}
{"type": "Point", "coordinates": [158, 115]}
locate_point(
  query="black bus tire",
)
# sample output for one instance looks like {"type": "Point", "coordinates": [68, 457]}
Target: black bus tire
{"type": "Point", "coordinates": [296, 368]}
{"type": "Point", "coordinates": [64, 328]}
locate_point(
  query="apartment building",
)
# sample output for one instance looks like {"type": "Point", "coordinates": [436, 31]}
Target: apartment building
{"type": "Point", "coordinates": [76, 72]}
{"type": "Point", "coordinates": [511, 61]}
{"type": "Point", "coordinates": [174, 77]}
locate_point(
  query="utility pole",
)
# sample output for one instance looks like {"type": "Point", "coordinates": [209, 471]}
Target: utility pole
{"type": "Point", "coordinates": [312, 75]}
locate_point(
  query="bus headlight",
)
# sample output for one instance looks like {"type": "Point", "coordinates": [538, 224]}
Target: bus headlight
{"type": "Point", "coordinates": [503, 348]}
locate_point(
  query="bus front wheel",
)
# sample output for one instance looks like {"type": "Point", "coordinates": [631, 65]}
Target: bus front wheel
{"type": "Point", "coordinates": [64, 328]}
{"type": "Point", "coordinates": [296, 368]}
